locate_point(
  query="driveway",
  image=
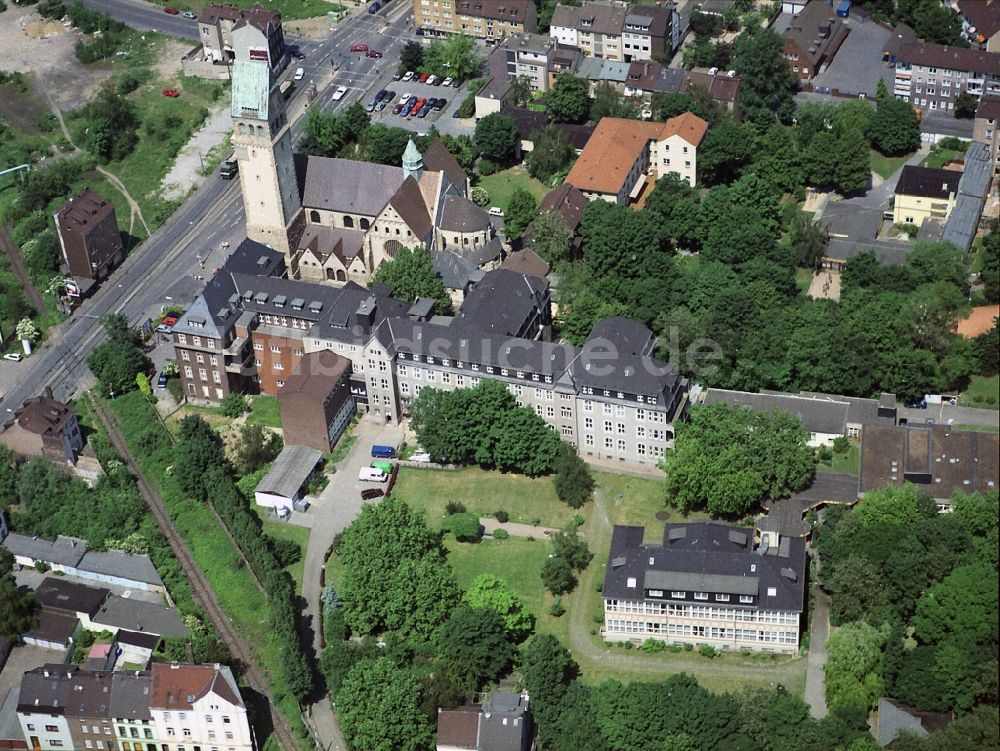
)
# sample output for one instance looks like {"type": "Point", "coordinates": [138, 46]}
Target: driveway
{"type": "Point", "coordinates": [334, 510]}
{"type": "Point", "coordinates": [23, 658]}
{"type": "Point", "coordinates": [819, 632]}
{"type": "Point", "coordinates": [947, 414]}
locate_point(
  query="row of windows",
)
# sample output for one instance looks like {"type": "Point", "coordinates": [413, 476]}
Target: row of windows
{"type": "Point", "coordinates": [702, 612]}
{"type": "Point", "coordinates": [203, 374]}
{"type": "Point", "coordinates": [196, 341]}
{"type": "Point", "coordinates": [615, 625]}
{"type": "Point", "coordinates": [199, 357]}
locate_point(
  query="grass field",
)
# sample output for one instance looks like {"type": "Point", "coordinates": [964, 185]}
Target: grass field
{"type": "Point", "coordinates": [939, 157]}
{"type": "Point", "coordinates": [290, 9]}
{"type": "Point", "coordinates": [211, 415]}
{"type": "Point", "coordinates": [848, 464]}
{"type": "Point", "coordinates": [501, 186]}
{"type": "Point", "coordinates": [287, 531]}
{"type": "Point", "coordinates": [983, 392]}
{"type": "Point", "coordinates": [977, 428]}
{"type": "Point", "coordinates": [264, 411]}
{"type": "Point", "coordinates": [885, 166]}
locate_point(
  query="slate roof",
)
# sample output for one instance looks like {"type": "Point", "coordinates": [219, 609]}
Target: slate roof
{"type": "Point", "coordinates": [512, 11]}
{"type": "Point", "coordinates": [349, 186]}
{"type": "Point", "coordinates": [70, 597]}
{"type": "Point", "coordinates": [568, 201]}
{"type": "Point", "coordinates": [603, 18]}
{"type": "Point", "coordinates": [85, 211]}
{"type": "Point", "coordinates": [130, 695]}
{"type": "Point", "coordinates": [290, 471]}
{"type": "Point", "coordinates": [10, 728]}
{"type": "Point", "coordinates": [960, 227]}
{"type": "Point", "coordinates": [627, 336]}
{"type": "Point", "coordinates": [927, 182]}
{"type": "Point", "coordinates": [983, 14]}
{"type": "Point", "coordinates": [712, 557]}
{"type": "Point", "coordinates": [949, 58]}
{"type": "Point", "coordinates": [43, 415]}
{"type": "Point", "coordinates": [408, 202]}
{"type": "Point", "coordinates": [325, 241]}
{"type": "Point", "coordinates": [989, 105]}
{"type": "Point", "coordinates": [805, 32]}
{"type": "Point", "coordinates": [65, 690]}
{"type": "Point", "coordinates": [720, 86]}
{"type": "Point", "coordinates": [526, 262]}
{"type": "Point", "coordinates": [505, 723]}
{"type": "Point", "coordinates": [438, 159]}
{"type": "Point", "coordinates": [936, 458]}
{"type": "Point", "coordinates": [63, 551]}
{"type": "Point", "coordinates": [257, 15]}
{"type": "Point", "coordinates": [459, 214]}
{"type": "Point", "coordinates": [501, 303]}
{"type": "Point", "coordinates": [453, 269]}
{"type": "Point", "coordinates": [138, 615]}
{"type": "Point", "coordinates": [124, 565]}
{"type": "Point", "coordinates": [53, 626]}
{"type": "Point", "coordinates": [817, 415]}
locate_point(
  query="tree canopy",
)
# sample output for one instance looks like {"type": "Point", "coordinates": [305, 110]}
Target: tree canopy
{"type": "Point", "coordinates": [551, 154]}
{"type": "Point", "coordinates": [373, 691]}
{"type": "Point", "coordinates": [567, 101]}
{"type": "Point", "coordinates": [729, 459]}
{"type": "Point", "coordinates": [411, 275]}
{"type": "Point", "coordinates": [489, 591]}
{"type": "Point", "coordinates": [496, 135]}
{"type": "Point", "coordinates": [119, 358]}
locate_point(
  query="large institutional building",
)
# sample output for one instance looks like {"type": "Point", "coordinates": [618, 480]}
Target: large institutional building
{"type": "Point", "coordinates": [706, 583]}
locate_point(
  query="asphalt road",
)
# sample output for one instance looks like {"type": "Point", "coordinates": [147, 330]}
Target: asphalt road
{"type": "Point", "coordinates": [146, 17]}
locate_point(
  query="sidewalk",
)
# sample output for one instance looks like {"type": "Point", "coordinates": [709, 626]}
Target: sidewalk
{"type": "Point", "coordinates": [819, 632]}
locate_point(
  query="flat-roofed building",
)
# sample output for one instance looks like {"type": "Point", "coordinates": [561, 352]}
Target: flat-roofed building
{"type": "Point", "coordinates": [316, 405]}
{"type": "Point", "coordinates": [706, 583]}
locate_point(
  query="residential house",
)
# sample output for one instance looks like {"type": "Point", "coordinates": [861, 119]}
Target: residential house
{"type": "Point", "coordinates": [198, 705]}
{"type": "Point", "coordinates": [228, 33]}
{"type": "Point", "coordinates": [981, 22]}
{"type": "Point", "coordinates": [129, 712]}
{"type": "Point", "coordinates": [283, 485]}
{"type": "Point", "coordinates": [931, 76]}
{"type": "Point", "coordinates": [527, 263]}
{"type": "Point", "coordinates": [491, 20]}
{"type": "Point", "coordinates": [64, 706]}
{"type": "Point", "coordinates": [706, 583]}
{"type": "Point", "coordinates": [722, 88]}
{"type": "Point", "coordinates": [646, 78]}
{"type": "Point", "coordinates": [502, 723]}
{"type": "Point", "coordinates": [813, 39]}
{"type": "Point", "coordinates": [594, 28]}
{"type": "Point", "coordinates": [938, 459]}
{"type": "Point", "coordinates": [528, 56]}
{"type": "Point", "coordinates": [11, 737]}
{"type": "Point", "coordinates": [569, 203]}
{"type": "Point", "coordinates": [647, 32]}
{"type": "Point", "coordinates": [618, 155]}
{"type": "Point", "coordinates": [72, 557]}
{"type": "Point", "coordinates": [924, 193]}
{"type": "Point", "coordinates": [316, 405]}
{"type": "Point", "coordinates": [88, 234]}
{"type": "Point", "coordinates": [43, 426]}
{"type": "Point", "coordinates": [986, 128]}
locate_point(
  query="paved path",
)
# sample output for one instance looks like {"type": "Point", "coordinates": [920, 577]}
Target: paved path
{"type": "Point", "coordinates": [491, 525]}
{"type": "Point", "coordinates": [337, 506]}
{"type": "Point", "coordinates": [819, 632]}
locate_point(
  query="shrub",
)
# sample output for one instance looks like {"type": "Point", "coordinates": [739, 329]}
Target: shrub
{"type": "Point", "coordinates": [286, 552]}
{"type": "Point", "coordinates": [688, 647]}
{"type": "Point", "coordinates": [480, 196]}
{"type": "Point", "coordinates": [486, 167]}
{"type": "Point", "coordinates": [824, 453]}
{"type": "Point", "coordinates": [234, 405]}
{"type": "Point", "coordinates": [454, 507]}
{"type": "Point", "coordinates": [841, 445]}
{"type": "Point", "coordinates": [707, 650]}
{"type": "Point", "coordinates": [465, 526]}
{"type": "Point", "coordinates": [556, 609]}
{"type": "Point", "coordinates": [129, 82]}
{"type": "Point", "coordinates": [557, 575]}
{"type": "Point", "coordinates": [41, 567]}
{"type": "Point", "coordinates": [468, 106]}
{"type": "Point", "coordinates": [653, 646]}
{"type": "Point", "coordinates": [501, 516]}
{"type": "Point", "coordinates": [500, 534]}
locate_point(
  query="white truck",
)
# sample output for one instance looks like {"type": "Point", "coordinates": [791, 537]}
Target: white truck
{"type": "Point", "coordinates": [371, 474]}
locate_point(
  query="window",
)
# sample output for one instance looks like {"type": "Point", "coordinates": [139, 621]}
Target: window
{"type": "Point", "coordinates": [51, 729]}
{"type": "Point", "coordinates": [275, 348]}
{"type": "Point", "coordinates": [588, 440]}
{"type": "Point", "coordinates": [678, 595]}
{"type": "Point", "coordinates": [722, 598]}
{"type": "Point", "coordinates": [746, 599]}
{"type": "Point", "coordinates": [701, 595]}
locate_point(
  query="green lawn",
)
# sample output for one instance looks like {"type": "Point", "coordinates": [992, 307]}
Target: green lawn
{"type": "Point", "coordinates": [287, 531]}
{"type": "Point", "coordinates": [885, 166]}
{"type": "Point", "coordinates": [848, 464]}
{"type": "Point", "coordinates": [264, 411]}
{"type": "Point", "coordinates": [803, 278]}
{"type": "Point", "coordinates": [939, 157]}
{"type": "Point", "coordinates": [211, 415]}
{"type": "Point", "coordinates": [983, 392]}
{"type": "Point", "coordinates": [502, 185]}
{"type": "Point", "coordinates": [525, 499]}
{"type": "Point", "coordinates": [290, 9]}
{"type": "Point", "coordinates": [977, 428]}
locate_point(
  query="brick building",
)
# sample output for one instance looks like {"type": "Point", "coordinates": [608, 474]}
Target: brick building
{"type": "Point", "coordinates": [43, 426]}
{"type": "Point", "coordinates": [315, 403]}
{"type": "Point", "coordinates": [88, 236]}
{"type": "Point", "coordinates": [812, 39]}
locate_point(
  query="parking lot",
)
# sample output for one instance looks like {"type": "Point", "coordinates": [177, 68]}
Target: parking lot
{"type": "Point", "coordinates": [453, 98]}
{"type": "Point", "coordinates": [858, 65]}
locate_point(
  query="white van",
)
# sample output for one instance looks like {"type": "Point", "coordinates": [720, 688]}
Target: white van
{"type": "Point", "coordinates": [370, 474]}
{"type": "Point", "coordinates": [496, 211]}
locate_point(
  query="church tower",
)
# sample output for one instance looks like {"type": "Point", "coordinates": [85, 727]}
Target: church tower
{"type": "Point", "coordinates": [413, 161]}
{"type": "Point", "coordinates": [263, 142]}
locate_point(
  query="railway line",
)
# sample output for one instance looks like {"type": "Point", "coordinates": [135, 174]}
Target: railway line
{"type": "Point", "coordinates": [203, 593]}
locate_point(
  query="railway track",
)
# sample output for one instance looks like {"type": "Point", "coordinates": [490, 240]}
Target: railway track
{"type": "Point", "coordinates": [203, 593]}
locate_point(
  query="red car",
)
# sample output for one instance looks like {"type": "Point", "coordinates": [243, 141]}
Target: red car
{"type": "Point", "coordinates": [170, 320]}
{"type": "Point", "coordinates": [374, 53]}
{"type": "Point", "coordinates": [359, 48]}
{"type": "Point", "coordinates": [171, 11]}
{"type": "Point", "coordinates": [172, 93]}
{"type": "Point", "coordinates": [424, 77]}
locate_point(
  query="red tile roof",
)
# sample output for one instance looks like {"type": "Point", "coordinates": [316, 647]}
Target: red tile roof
{"type": "Point", "coordinates": [179, 686]}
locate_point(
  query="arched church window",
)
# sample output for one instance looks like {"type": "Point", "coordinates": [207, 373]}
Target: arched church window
{"type": "Point", "coordinates": [243, 129]}
{"type": "Point", "coordinates": [314, 217]}
{"type": "Point", "coordinates": [260, 131]}
{"type": "Point", "coordinates": [364, 223]}
{"type": "Point", "coordinates": [348, 221]}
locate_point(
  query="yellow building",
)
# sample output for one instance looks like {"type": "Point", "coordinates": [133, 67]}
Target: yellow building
{"type": "Point", "coordinates": [924, 193]}
{"type": "Point", "coordinates": [491, 20]}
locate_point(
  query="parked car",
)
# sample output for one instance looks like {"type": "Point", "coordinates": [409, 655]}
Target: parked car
{"type": "Point", "coordinates": [396, 76]}
{"type": "Point", "coordinates": [423, 77]}
{"type": "Point", "coordinates": [13, 357]}
{"type": "Point", "coordinates": [375, 53]}
{"type": "Point", "coordinates": [398, 108]}
{"type": "Point", "coordinates": [383, 452]}
{"type": "Point", "coordinates": [370, 107]}
{"type": "Point", "coordinates": [380, 106]}
{"type": "Point", "coordinates": [407, 109]}
{"type": "Point", "coordinates": [380, 95]}
{"type": "Point", "coordinates": [424, 110]}
{"type": "Point", "coordinates": [369, 474]}
{"type": "Point", "coordinates": [170, 320]}
{"type": "Point", "coordinates": [300, 74]}
{"type": "Point", "coordinates": [421, 457]}
{"type": "Point", "coordinates": [456, 114]}
{"type": "Point", "coordinates": [447, 82]}
{"type": "Point", "coordinates": [432, 80]}
{"type": "Point", "coordinates": [456, 83]}
{"type": "Point", "coordinates": [189, 14]}
{"type": "Point", "coordinates": [408, 76]}
{"type": "Point", "coordinates": [229, 169]}
{"type": "Point", "coordinates": [172, 93]}
{"type": "Point", "coordinates": [170, 10]}
{"type": "Point", "coordinates": [161, 382]}
{"type": "Point", "coordinates": [339, 93]}
{"type": "Point", "coordinates": [440, 104]}
{"type": "Point", "coordinates": [915, 404]}
{"type": "Point", "coordinates": [496, 211]}
{"type": "Point", "coordinates": [371, 494]}
{"type": "Point", "coordinates": [359, 48]}
{"type": "Point", "coordinates": [389, 96]}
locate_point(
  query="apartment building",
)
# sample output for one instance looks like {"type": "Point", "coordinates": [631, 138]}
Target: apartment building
{"type": "Point", "coordinates": [528, 56]}
{"type": "Point", "coordinates": [706, 583]}
{"type": "Point", "coordinates": [647, 32]}
{"type": "Point", "coordinates": [931, 76]}
{"type": "Point", "coordinates": [88, 234]}
{"type": "Point", "coordinates": [129, 712]}
{"type": "Point", "coordinates": [65, 707]}
{"type": "Point", "coordinates": [315, 403]}
{"type": "Point", "coordinates": [924, 193]}
{"type": "Point", "coordinates": [491, 20]}
{"type": "Point", "coordinates": [198, 706]}
{"type": "Point", "coordinates": [981, 22]}
{"type": "Point", "coordinates": [985, 128]}
{"type": "Point", "coordinates": [813, 39]}
{"type": "Point", "coordinates": [594, 28]}
{"type": "Point", "coordinates": [611, 398]}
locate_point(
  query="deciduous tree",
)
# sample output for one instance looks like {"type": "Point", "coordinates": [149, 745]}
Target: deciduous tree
{"type": "Point", "coordinates": [894, 128]}
{"type": "Point", "coordinates": [567, 100]}
{"type": "Point", "coordinates": [520, 212]}
{"type": "Point", "coordinates": [411, 275]}
{"type": "Point", "coordinates": [496, 135]}
{"type": "Point", "coordinates": [17, 606]}
{"type": "Point", "coordinates": [551, 154]}
{"type": "Point", "coordinates": [373, 691]}
{"type": "Point", "coordinates": [475, 646]}
{"type": "Point", "coordinates": [489, 591]}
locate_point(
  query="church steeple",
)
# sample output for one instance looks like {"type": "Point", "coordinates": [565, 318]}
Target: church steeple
{"type": "Point", "coordinates": [413, 161]}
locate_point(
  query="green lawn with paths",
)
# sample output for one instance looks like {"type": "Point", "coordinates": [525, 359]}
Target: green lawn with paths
{"type": "Point", "coordinates": [886, 166]}
{"type": "Point", "coordinates": [501, 186]}
{"type": "Point", "coordinates": [848, 464]}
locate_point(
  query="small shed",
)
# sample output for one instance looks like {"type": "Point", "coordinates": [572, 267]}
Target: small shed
{"type": "Point", "coordinates": [282, 486]}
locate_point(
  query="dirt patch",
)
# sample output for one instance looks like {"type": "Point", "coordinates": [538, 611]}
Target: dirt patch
{"type": "Point", "coordinates": [825, 285]}
{"type": "Point", "coordinates": [169, 63]}
{"type": "Point", "coordinates": [19, 109]}
{"type": "Point", "coordinates": [184, 174]}
{"type": "Point", "coordinates": [310, 28]}
{"type": "Point", "coordinates": [44, 51]}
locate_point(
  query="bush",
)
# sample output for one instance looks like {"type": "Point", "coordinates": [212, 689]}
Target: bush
{"type": "Point", "coordinates": [286, 552]}
{"type": "Point", "coordinates": [468, 106]}
{"type": "Point", "coordinates": [500, 534]}
{"type": "Point", "coordinates": [486, 167]}
{"type": "Point", "coordinates": [41, 567]}
{"type": "Point", "coordinates": [707, 650]}
{"type": "Point", "coordinates": [557, 575]}
{"type": "Point", "coordinates": [465, 526]}
{"type": "Point", "coordinates": [841, 445]}
{"type": "Point", "coordinates": [234, 405]}
{"type": "Point", "coordinates": [501, 516]}
{"type": "Point", "coordinates": [480, 196]}
{"type": "Point", "coordinates": [454, 507]}
{"type": "Point", "coordinates": [53, 9]}
{"type": "Point", "coordinates": [824, 453]}
{"type": "Point", "coordinates": [128, 83]}
{"type": "Point", "coordinates": [556, 609]}
{"type": "Point", "coordinates": [653, 646]}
